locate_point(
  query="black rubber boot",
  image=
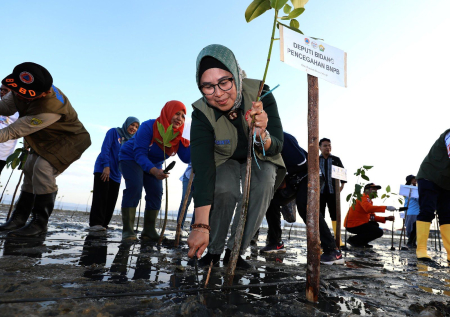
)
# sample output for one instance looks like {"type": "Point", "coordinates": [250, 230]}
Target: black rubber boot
{"type": "Point", "coordinates": [21, 212]}
{"type": "Point", "coordinates": [43, 207]}
{"type": "Point", "coordinates": [240, 264]}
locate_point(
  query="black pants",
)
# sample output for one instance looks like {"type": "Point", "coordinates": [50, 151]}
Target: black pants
{"type": "Point", "coordinates": [104, 200]}
{"type": "Point", "coordinates": [273, 216]}
{"type": "Point", "coordinates": [330, 200]}
{"type": "Point", "coordinates": [2, 165]}
{"type": "Point", "coordinates": [365, 233]}
{"type": "Point", "coordinates": [433, 198]}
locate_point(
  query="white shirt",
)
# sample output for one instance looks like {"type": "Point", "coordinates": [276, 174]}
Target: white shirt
{"type": "Point", "coordinates": [7, 148]}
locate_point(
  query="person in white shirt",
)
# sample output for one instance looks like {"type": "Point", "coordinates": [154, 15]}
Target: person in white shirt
{"type": "Point", "coordinates": [6, 148]}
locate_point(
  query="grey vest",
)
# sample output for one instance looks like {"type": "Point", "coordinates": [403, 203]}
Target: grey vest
{"type": "Point", "coordinates": [225, 133]}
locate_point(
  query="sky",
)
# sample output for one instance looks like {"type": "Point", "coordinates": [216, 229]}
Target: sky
{"type": "Point", "coordinates": [115, 59]}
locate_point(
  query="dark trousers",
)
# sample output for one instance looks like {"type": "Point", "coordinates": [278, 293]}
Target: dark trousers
{"type": "Point", "coordinates": [327, 199]}
{"type": "Point", "coordinates": [273, 216]}
{"type": "Point", "coordinates": [433, 198]}
{"type": "Point", "coordinates": [365, 233]}
{"type": "Point", "coordinates": [104, 200]}
{"type": "Point", "coordinates": [2, 165]}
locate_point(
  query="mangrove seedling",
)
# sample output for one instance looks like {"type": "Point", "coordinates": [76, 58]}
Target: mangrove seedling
{"type": "Point", "coordinates": [167, 136]}
{"type": "Point", "coordinates": [16, 159]}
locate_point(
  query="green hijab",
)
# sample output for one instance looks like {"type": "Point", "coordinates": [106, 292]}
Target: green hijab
{"type": "Point", "coordinates": [226, 57]}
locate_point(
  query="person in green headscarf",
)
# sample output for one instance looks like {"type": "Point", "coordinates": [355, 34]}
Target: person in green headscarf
{"type": "Point", "coordinates": [219, 142]}
{"type": "Point", "coordinates": [107, 175]}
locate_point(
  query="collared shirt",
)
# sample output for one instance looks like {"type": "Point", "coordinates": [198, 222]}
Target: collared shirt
{"type": "Point", "coordinates": [325, 164]}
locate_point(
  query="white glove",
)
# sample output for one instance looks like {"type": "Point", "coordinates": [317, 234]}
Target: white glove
{"type": "Point", "coordinates": [391, 208]}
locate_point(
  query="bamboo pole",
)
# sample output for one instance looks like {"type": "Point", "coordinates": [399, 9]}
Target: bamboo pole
{"type": "Point", "coordinates": [183, 209]}
{"type": "Point", "coordinates": [14, 196]}
{"type": "Point", "coordinates": [337, 234]}
{"type": "Point", "coordinates": [312, 215]}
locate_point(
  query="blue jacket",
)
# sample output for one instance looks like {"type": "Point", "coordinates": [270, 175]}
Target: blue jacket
{"type": "Point", "coordinates": [414, 208]}
{"type": "Point", "coordinates": [138, 149]}
{"type": "Point", "coordinates": [109, 155]}
{"type": "Point", "coordinates": [293, 155]}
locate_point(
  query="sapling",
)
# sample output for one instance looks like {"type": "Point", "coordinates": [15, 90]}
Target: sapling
{"type": "Point", "coordinates": [167, 136]}
{"type": "Point", "coordinates": [255, 9]}
{"type": "Point", "coordinates": [16, 159]}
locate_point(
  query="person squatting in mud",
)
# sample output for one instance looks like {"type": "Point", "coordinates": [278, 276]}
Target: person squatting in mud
{"type": "Point", "coordinates": [57, 138]}
{"type": "Point", "coordinates": [362, 221]}
{"type": "Point", "coordinates": [295, 186]}
{"type": "Point", "coordinates": [107, 175]}
{"type": "Point", "coordinates": [219, 140]}
{"type": "Point", "coordinates": [140, 160]}
{"type": "Point", "coordinates": [433, 181]}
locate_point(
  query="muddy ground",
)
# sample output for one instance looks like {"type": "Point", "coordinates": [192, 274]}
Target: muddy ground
{"type": "Point", "coordinates": [75, 273]}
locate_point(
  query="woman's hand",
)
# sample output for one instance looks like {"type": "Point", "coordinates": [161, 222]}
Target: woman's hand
{"type": "Point", "coordinates": [261, 118]}
{"type": "Point", "coordinates": [105, 175]}
{"type": "Point", "coordinates": [158, 173]}
{"type": "Point", "coordinates": [198, 241]}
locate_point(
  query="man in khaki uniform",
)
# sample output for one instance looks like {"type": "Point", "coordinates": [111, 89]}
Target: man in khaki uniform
{"type": "Point", "coordinates": [57, 138]}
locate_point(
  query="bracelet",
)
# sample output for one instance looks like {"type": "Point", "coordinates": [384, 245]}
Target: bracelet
{"type": "Point", "coordinates": [201, 225]}
{"type": "Point", "coordinates": [200, 231]}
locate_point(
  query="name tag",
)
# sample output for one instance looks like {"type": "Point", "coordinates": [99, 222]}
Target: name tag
{"type": "Point", "coordinates": [222, 142]}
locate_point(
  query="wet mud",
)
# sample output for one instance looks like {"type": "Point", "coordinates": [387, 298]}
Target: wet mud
{"type": "Point", "coordinates": [76, 273]}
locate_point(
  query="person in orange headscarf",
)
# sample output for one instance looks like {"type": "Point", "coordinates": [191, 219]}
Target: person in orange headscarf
{"type": "Point", "coordinates": [140, 161]}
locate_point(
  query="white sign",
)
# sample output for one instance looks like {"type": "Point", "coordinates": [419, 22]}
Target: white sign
{"type": "Point", "coordinates": [313, 56]}
{"type": "Point", "coordinates": [404, 191]}
{"type": "Point", "coordinates": [338, 172]}
{"type": "Point", "coordinates": [187, 129]}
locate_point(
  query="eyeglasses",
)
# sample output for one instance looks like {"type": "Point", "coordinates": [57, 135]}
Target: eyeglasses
{"type": "Point", "coordinates": [224, 85]}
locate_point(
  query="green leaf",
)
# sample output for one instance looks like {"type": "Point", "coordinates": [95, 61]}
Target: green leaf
{"type": "Point", "coordinates": [285, 18]}
{"type": "Point", "coordinates": [367, 167]}
{"type": "Point", "coordinates": [278, 4]}
{"type": "Point", "coordinates": [294, 24]}
{"type": "Point", "coordinates": [383, 196]}
{"type": "Point", "coordinates": [365, 177]}
{"type": "Point", "coordinates": [287, 8]}
{"type": "Point", "coordinates": [293, 29]}
{"type": "Point", "coordinates": [299, 3]}
{"type": "Point", "coordinates": [388, 189]}
{"type": "Point", "coordinates": [348, 197]}
{"type": "Point", "coordinates": [400, 201]}
{"type": "Point", "coordinates": [358, 188]}
{"type": "Point", "coordinates": [159, 140]}
{"type": "Point", "coordinates": [15, 162]}
{"type": "Point", "coordinates": [295, 13]}
{"type": "Point", "coordinates": [256, 8]}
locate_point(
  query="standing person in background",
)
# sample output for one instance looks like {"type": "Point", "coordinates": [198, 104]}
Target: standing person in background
{"type": "Point", "coordinates": [185, 180]}
{"type": "Point", "coordinates": [57, 138]}
{"type": "Point", "coordinates": [6, 148]}
{"type": "Point", "coordinates": [412, 213]}
{"type": "Point", "coordinates": [140, 161]}
{"type": "Point", "coordinates": [327, 191]}
{"type": "Point", "coordinates": [433, 180]}
{"type": "Point", "coordinates": [107, 175]}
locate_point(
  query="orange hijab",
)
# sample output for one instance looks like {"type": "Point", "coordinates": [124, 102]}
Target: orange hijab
{"type": "Point", "coordinates": [165, 118]}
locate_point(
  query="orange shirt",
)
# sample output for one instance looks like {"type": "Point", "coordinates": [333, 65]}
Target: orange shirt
{"type": "Point", "coordinates": [361, 214]}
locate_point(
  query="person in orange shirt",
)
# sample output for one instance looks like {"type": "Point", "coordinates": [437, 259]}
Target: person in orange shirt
{"type": "Point", "coordinates": [362, 221]}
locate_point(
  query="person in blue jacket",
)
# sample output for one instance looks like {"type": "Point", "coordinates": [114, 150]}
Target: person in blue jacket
{"type": "Point", "coordinates": [412, 213]}
{"type": "Point", "coordinates": [107, 175]}
{"type": "Point", "coordinates": [140, 161]}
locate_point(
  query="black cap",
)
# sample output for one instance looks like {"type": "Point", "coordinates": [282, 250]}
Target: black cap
{"type": "Point", "coordinates": [409, 178]}
{"type": "Point", "coordinates": [29, 80]}
{"type": "Point", "coordinates": [372, 185]}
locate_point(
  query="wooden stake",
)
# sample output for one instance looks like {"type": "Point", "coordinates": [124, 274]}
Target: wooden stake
{"type": "Point", "coordinates": [161, 237]}
{"type": "Point", "coordinates": [183, 209]}
{"type": "Point", "coordinates": [14, 196]}
{"type": "Point", "coordinates": [337, 234]}
{"type": "Point", "coordinates": [312, 214]}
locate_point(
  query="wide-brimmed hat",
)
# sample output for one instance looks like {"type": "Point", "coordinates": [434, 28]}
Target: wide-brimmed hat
{"type": "Point", "coordinates": [29, 80]}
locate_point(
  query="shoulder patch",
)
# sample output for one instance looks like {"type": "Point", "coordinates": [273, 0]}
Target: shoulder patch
{"type": "Point", "coordinates": [35, 121]}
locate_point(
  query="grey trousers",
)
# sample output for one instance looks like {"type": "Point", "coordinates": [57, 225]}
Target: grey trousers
{"type": "Point", "coordinates": [39, 176]}
{"type": "Point", "coordinates": [229, 177]}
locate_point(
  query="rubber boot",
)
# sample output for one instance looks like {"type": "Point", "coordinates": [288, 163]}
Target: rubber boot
{"type": "Point", "coordinates": [128, 216]}
{"type": "Point", "coordinates": [334, 230]}
{"type": "Point", "coordinates": [149, 232]}
{"type": "Point", "coordinates": [42, 210]}
{"type": "Point", "coordinates": [423, 231]}
{"type": "Point", "coordinates": [21, 212]}
{"type": "Point", "coordinates": [445, 233]}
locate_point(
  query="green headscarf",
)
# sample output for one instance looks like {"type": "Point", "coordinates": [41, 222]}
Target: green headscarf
{"type": "Point", "coordinates": [226, 57]}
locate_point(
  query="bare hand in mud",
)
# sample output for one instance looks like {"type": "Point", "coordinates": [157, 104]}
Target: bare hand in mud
{"type": "Point", "coordinates": [197, 241]}
{"type": "Point", "coordinates": [105, 175]}
{"type": "Point", "coordinates": [158, 173]}
{"type": "Point", "coordinates": [260, 116]}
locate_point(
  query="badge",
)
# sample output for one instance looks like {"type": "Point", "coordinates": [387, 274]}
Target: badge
{"type": "Point", "coordinates": [35, 121]}
{"type": "Point", "coordinates": [232, 115]}
{"type": "Point", "coordinates": [26, 77]}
